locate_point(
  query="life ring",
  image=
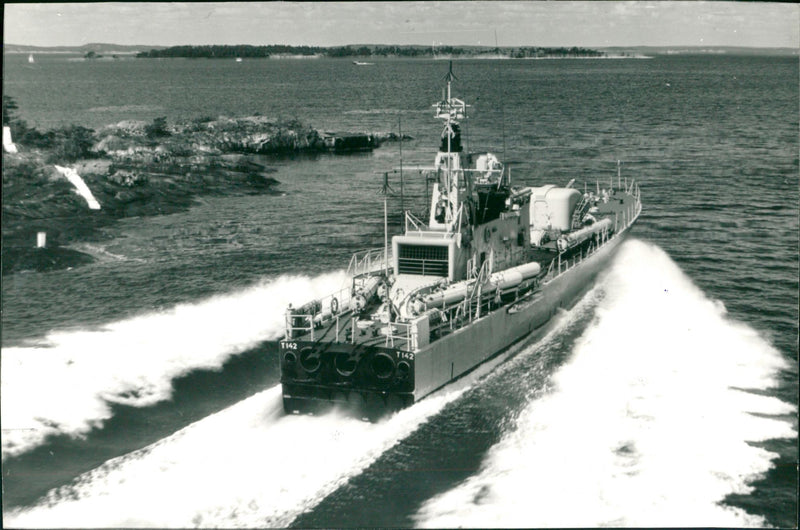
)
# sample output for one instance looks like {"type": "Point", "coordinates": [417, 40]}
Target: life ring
{"type": "Point", "coordinates": [334, 306]}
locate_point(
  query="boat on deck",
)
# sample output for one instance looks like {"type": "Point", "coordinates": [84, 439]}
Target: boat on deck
{"type": "Point", "coordinates": [490, 265]}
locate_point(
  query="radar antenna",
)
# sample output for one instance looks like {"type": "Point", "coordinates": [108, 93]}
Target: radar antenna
{"type": "Point", "coordinates": [450, 76]}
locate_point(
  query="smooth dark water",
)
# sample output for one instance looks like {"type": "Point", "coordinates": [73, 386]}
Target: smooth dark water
{"type": "Point", "coordinates": [145, 342]}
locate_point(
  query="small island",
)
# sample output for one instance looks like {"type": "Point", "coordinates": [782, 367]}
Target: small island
{"type": "Point", "coordinates": [136, 168]}
{"type": "Point", "coordinates": [374, 51]}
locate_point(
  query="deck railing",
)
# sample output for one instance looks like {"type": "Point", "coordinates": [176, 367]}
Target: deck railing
{"type": "Point", "coordinates": [416, 227]}
{"type": "Point", "coordinates": [299, 323]}
{"type": "Point", "coordinates": [373, 260]}
{"type": "Point", "coordinates": [399, 335]}
{"type": "Point", "coordinates": [309, 317]}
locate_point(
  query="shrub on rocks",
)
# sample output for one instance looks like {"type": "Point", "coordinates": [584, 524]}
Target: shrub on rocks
{"type": "Point", "coordinates": [72, 143]}
{"type": "Point", "coordinates": [127, 178]}
{"type": "Point", "coordinates": [157, 129]}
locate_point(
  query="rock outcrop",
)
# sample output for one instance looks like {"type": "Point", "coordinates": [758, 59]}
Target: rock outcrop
{"type": "Point", "coordinates": [136, 168]}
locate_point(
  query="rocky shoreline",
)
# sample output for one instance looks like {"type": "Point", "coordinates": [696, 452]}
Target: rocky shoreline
{"type": "Point", "coordinates": [136, 168]}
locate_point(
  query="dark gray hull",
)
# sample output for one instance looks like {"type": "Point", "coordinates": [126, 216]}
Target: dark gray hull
{"type": "Point", "coordinates": [371, 381]}
{"type": "Point", "coordinates": [462, 351]}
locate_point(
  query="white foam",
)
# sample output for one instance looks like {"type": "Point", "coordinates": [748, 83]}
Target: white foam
{"type": "Point", "coordinates": [247, 466]}
{"type": "Point", "coordinates": [646, 425]}
{"type": "Point", "coordinates": [65, 386]}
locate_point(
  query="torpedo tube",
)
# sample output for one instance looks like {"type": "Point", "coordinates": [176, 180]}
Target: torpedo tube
{"type": "Point", "coordinates": [499, 281]}
{"type": "Point", "coordinates": [573, 238]}
{"type": "Point", "coordinates": [364, 292]}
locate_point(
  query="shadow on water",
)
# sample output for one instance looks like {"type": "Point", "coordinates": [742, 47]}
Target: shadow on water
{"type": "Point", "coordinates": [31, 475]}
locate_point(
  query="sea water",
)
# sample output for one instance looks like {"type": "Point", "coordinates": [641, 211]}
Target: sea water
{"type": "Point", "coordinates": [667, 396]}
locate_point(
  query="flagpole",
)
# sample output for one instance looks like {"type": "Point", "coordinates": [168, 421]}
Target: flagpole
{"type": "Point", "coordinates": [402, 205]}
{"type": "Point", "coordinates": [386, 227]}
{"type": "Point", "coordinates": [385, 189]}
{"type": "Point", "coordinates": [385, 238]}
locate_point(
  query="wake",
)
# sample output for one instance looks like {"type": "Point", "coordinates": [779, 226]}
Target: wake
{"type": "Point", "coordinates": [246, 466]}
{"type": "Point", "coordinates": [65, 385]}
{"type": "Point", "coordinates": [647, 424]}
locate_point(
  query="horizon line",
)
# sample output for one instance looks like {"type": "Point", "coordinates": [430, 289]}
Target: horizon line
{"type": "Point", "coordinates": [413, 45]}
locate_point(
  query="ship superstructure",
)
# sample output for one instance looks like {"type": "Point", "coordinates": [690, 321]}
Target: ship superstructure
{"type": "Point", "coordinates": [491, 264]}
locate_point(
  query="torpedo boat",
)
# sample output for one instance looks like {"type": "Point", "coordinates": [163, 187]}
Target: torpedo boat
{"type": "Point", "coordinates": [490, 265]}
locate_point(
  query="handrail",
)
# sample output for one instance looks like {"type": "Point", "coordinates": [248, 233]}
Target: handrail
{"type": "Point", "coordinates": [372, 260]}
{"type": "Point", "coordinates": [421, 228]}
{"type": "Point", "coordinates": [405, 337]}
{"type": "Point", "coordinates": [417, 224]}
{"type": "Point", "coordinates": [299, 318]}
{"type": "Point", "coordinates": [460, 218]}
{"type": "Point", "coordinates": [579, 211]}
{"type": "Point", "coordinates": [483, 277]}
{"type": "Point", "coordinates": [441, 234]}
{"type": "Point", "coordinates": [305, 318]}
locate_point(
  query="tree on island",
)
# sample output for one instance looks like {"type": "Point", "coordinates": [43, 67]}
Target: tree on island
{"type": "Point", "coordinates": [218, 51]}
{"type": "Point", "coordinates": [9, 106]}
{"type": "Point", "coordinates": [66, 144]}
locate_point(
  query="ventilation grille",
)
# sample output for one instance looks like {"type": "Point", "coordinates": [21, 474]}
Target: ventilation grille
{"type": "Point", "coordinates": [422, 260]}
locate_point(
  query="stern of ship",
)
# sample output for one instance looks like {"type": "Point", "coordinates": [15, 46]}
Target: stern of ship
{"type": "Point", "coordinates": [366, 381]}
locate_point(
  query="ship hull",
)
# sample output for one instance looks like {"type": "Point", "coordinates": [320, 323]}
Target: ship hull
{"type": "Point", "coordinates": [434, 366]}
{"type": "Point", "coordinates": [361, 403]}
{"type": "Point", "coordinates": [464, 350]}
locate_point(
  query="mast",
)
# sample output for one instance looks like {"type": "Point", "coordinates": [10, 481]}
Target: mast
{"type": "Point", "coordinates": [445, 203]}
{"type": "Point", "coordinates": [400, 131]}
{"type": "Point", "coordinates": [385, 190]}
{"type": "Point", "coordinates": [449, 127]}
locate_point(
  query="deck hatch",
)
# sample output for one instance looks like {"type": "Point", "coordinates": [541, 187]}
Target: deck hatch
{"type": "Point", "coordinates": [424, 260]}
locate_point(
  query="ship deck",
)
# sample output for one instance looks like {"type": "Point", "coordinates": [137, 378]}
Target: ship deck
{"type": "Point", "coordinates": [351, 328]}
{"type": "Point", "coordinates": [360, 328]}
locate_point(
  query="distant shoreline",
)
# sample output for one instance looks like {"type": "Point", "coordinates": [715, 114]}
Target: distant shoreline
{"type": "Point", "coordinates": [616, 53]}
{"type": "Point", "coordinates": [241, 52]}
{"type": "Point", "coordinates": [74, 56]}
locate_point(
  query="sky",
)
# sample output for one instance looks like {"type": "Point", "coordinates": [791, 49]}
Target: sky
{"type": "Point", "coordinates": [516, 23]}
